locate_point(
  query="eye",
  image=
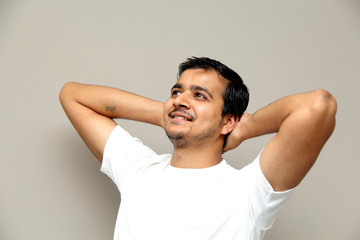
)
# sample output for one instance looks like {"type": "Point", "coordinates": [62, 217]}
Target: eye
{"type": "Point", "coordinates": [175, 92]}
{"type": "Point", "coordinates": [200, 95]}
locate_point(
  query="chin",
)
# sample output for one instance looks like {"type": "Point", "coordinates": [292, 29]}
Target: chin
{"type": "Point", "coordinates": [174, 136]}
{"type": "Point", "coordinates": [177, 139]}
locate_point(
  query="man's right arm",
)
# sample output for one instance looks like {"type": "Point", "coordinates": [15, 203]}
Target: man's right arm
{"type": "Point", "coordinates": [91, 110]}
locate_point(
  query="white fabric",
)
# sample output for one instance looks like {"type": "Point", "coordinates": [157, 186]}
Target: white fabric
{"type": "Point", "coordinates": [161, 202]}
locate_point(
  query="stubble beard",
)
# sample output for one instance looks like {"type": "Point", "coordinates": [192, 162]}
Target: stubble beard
{"type": "Point", "coordinates": [182, 140]}
{"type": "Point", "coordinates": [177, 139]}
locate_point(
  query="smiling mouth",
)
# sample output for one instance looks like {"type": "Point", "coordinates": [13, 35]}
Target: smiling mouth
{"type": "Point", "coordinates": [181, 115]}
{"type": "Point", "coordinates": [181, 118]}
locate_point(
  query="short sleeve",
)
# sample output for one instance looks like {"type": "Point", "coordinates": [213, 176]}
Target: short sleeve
{"type": "Point", "coordinates": [124, 155]}
{"type": "Point", "coordinates": [265, 202]}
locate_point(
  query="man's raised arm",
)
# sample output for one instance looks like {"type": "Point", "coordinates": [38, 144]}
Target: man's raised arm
{"type": "Point", "coordinates": [303, 123]}
{"type": "Point", "coordinates": [91, 109]}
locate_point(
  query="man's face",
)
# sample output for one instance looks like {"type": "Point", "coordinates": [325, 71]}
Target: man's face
{"type": "Point", "coordinates": [193, 112]}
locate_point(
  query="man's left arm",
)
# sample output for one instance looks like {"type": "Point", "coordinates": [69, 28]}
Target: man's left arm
{"type": "Point", "coordinates": [303, 123]}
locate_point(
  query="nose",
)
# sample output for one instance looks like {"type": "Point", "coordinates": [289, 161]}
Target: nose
{"type": "Point", "coordinates": [182, 100]}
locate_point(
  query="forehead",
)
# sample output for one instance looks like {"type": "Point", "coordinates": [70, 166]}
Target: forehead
{"type": "Point", "coordinates": [209, 79]}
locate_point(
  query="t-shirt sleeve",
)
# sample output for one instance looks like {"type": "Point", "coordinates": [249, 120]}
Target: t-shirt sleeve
{"type": "Point", "coordinates": [265, 202]}
{"type": "Point", "coordinates": [124, 155]}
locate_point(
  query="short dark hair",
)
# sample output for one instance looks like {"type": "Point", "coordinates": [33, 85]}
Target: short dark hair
{"type": "Point", "coordinates": [236, 96]}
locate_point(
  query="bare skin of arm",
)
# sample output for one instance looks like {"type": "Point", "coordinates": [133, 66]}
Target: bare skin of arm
{"type": "Point", "coordinates": [91, 110]}
{"type": "Point", "coordinates": [303, 123]}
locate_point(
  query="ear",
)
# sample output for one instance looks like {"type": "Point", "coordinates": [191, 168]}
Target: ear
{"type": "Point", "coordinates": [229, 123]}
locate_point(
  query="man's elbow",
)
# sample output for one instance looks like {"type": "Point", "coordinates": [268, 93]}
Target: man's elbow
{"type": "Point", "coordinates": [325, 107]}
{"type": "Point", "coordinates": [325, 102]}
{"type": "Point", "coordinates": [65, 92]}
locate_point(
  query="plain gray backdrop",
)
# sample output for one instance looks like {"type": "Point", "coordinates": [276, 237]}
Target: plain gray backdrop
{"type": "Point", "coordinates": [50, 184]}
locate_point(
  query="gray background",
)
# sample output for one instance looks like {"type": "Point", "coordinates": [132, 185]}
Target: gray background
{"type": "Point", "coordinates": [50, 184]}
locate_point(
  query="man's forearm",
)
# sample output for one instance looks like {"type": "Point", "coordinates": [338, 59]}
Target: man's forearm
{"type": "Point", "coordinates": [113, 103]}
{"type": "Point", "coordinates": [313, 109]}
{"type": "Point", "coordinates": [316, 105]}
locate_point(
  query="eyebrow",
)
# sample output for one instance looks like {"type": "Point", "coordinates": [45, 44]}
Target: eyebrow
{"type": "Point", "coordinates": [194, 88]}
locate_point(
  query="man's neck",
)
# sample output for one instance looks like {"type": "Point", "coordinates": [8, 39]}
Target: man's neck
{"type": "Point", "coordinates": [196, 156]}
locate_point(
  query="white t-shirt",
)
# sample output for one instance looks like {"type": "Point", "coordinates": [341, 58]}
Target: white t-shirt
{"type": "Point", "coordinates": [161, 202]}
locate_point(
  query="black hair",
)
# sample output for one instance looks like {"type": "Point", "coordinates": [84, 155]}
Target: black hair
{"type": "Point", "coordinates": [236, 96]}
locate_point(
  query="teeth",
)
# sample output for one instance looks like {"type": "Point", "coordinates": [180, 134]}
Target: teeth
{"type": "Point", "coordinates": [182, 118]}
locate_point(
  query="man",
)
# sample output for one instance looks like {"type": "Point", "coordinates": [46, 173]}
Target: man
{"type": "Point", "coordinates": [193, 193]}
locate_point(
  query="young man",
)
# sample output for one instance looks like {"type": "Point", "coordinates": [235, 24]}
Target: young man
{"type": "Point", "coordinates": [193, 193]}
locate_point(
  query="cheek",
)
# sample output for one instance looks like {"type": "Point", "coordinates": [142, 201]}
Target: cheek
{"type": "Point", "coordinates": [167, 106]}
{"type": "Point", "coordinates": [208, 112]}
